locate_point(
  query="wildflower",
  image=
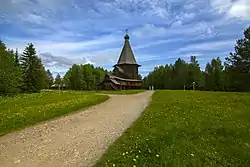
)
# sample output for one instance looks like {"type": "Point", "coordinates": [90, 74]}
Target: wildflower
{"type": "Point", "coordinates": [113, 164]}
{"type": "Point", "coordinates": [137, 156]}
{"type": "Point", "coordinates": [192, 154]}
{"type": "Point", "coordinates": [157, 155]}
{"type": "Point", "coordinates": [123, 154]}
{"type": "Point", "coordinates": [126, 152]}
{"type": "Point", "coordinates": [134, 165]}
{"type": "Point", "coordinates": [134, 160]}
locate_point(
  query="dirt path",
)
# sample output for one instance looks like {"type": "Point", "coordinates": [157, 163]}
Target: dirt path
{"type": "Point", "coordinates": [75, 140]}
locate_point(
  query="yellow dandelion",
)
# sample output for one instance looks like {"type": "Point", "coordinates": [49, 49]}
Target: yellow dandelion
{"type": "Point", "coordinates": [157, 155]}
{"type": "Point", "coordinates": [126, 152]}
{"type": "Point", "coordinates": [123, 154]}
{"type": "Point", "coordinates": [192, 154]}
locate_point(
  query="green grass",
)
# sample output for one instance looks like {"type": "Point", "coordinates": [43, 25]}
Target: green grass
{"type": "Point", "coordinates": [121, 92]}
{"type": "Point", "coordinates": [186, 129]}
{"type": "Point", "coordinates": [28, 109]}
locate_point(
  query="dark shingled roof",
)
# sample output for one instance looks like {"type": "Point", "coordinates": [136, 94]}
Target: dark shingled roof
{"type": "Point", "coordinates": [127, 55]}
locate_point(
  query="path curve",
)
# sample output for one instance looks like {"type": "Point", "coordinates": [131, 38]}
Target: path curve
{"type": "Point", "coordinates": [74, 140]}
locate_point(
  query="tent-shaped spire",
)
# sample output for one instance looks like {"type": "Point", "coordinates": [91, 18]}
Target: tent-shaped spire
{"type": "Point", "coordinates": [127, 55]}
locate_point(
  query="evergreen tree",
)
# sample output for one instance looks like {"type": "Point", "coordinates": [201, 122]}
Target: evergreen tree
{"type": "Point", "coordinates": [10, 74]}
{"type": "Point", "coordinates": [194, 74]}
{"type": "Point", "coordinates": [238, 64]}
{"type": "Point", "coordinates": [58, 80]}
{"type": "Point", "coordinates": [84, 77]}
{"type": "Point", "coordinates": [49, 79]}
{"type": "Point", "coordinates": [33, 70]}
{"type": "Point", "coordinates": [214, 75]}
{"type": "Point", "coordinates": [16, 59]}
{"type": "Point", "coordinates": [180, 72]}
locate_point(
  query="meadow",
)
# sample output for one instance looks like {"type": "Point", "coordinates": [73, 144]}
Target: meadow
{"type": "Point", "coordinates": [28, 109]}
{"type": "Point", "coordinates": [186, 128]}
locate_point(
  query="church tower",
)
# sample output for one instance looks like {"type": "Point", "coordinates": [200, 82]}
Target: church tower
{"type": "Point", "coordinates": [126, 66]}
{"type": "Point", "coordinates": [125, 73]}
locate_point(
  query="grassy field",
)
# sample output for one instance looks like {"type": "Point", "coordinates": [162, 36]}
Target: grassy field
{"type": "Point", "coordinates": [186, 129]}
{"type": "Point", "coordinates": [27, 109]}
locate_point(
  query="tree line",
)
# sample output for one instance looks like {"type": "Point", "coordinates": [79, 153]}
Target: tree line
{"type": "Point", "coordinates": [233, 75]}
{"type": "Point", "coordinates": [25, 73]}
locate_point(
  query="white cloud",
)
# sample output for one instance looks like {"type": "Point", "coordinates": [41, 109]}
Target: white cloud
{"type": "Point", "coordinates": [32, 18]}
{"type": "Point", "coordinates": [236, 9]}
{"type": "Point", "coordinates": [208, 46]}
{"type": "Point", "coordinates": [182, 56]}
{"type": "Point", "coordinates": [74, 31]}
{"type": "Point", "coordinates": [145, 57]}
{"type": "Point", "coordinates": [61, 48]}
{"type": "Point", "coordinates": [149, 31]}
{"type": "Point", "coordinates": [240, 9]}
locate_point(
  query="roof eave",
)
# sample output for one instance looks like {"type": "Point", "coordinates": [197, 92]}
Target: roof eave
{"type": "Point", "coordinates": [127, 64]}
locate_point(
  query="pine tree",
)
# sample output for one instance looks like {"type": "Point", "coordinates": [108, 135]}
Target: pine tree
{"type": "Point", "coordinates": [33, 70]}
{"type": "Point", "coordinates": [49, 79]}
{"type": "Point", "coordinates": [194, 73]}
{"type": "Point", "coordinates": [58, 80]}
{"type": "Point", "coordinates": [10, 74]}
{"type": "Point", "coordinates": [214, 75]}
{"type": "Point", "coordinates": [238, 64]}
{"type": "Point", "coordinates": [16, 59]}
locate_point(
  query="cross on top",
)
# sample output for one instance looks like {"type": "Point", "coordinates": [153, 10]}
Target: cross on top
{"type": "Point", "coordinates": [126, 31]}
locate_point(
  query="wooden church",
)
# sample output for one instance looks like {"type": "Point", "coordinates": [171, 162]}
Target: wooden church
{"type": "Point", "coordinates": [125, 72]}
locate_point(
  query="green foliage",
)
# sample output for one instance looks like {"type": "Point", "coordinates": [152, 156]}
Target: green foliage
{"type": "Point", "coordinates": [238, 64]}
{"type": "Point", "coordinates": [233, 76]}
{"type": "Point", "coordinates": [139, 77]}
{"type": "Point", "coordinates": [27, 109]}
{"type": "Point", "coordinates": [33, 71]}
{"type": "Point", "coordinates": [10, 72]}
{"type": "Point", "coordinates": [29, 74]}
{"type": "Point", "coordinates": [84, 77]}
{"type": "Point", "coordinates": [58, 79]}
{"type": "Point", "coordinates": [186, 128]}
{"type": "Point", "coordinates": [176, 76]}
{"type": "Point", "coordinates": [214, 75]}
{"type": "Point", "coordinates": [49, 79]}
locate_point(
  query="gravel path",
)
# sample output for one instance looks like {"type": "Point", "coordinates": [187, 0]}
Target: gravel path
{"type": "Point", "coordinates": [74, 140]}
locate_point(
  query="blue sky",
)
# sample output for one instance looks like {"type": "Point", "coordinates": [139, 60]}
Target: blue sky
{"type": "Point", "coordinates": [65, 32]}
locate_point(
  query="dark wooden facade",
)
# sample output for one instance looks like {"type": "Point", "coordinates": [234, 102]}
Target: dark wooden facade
{"type": "Point", "coordinates": [112, 82]}
{"type": "Point", "coordinates": [125, 72]}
